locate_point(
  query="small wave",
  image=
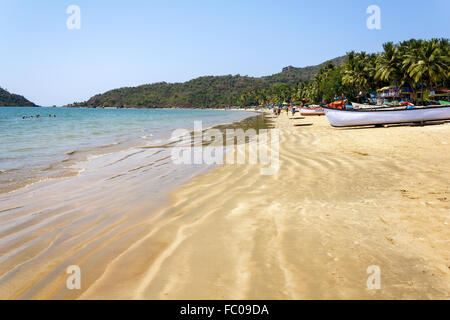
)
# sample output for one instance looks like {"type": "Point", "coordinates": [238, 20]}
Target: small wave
{"type": "Point", "coordinates": [8, 171]}
{"type": "Point", "coordinates": [24, 149]}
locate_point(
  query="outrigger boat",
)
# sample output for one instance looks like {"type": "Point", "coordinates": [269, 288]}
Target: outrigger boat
{"type": "Point", "coordinates": [364, 117]}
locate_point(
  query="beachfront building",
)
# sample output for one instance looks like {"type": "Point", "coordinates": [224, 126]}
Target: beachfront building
{"type": "Point", "coordinates": [388, 95]}
{"type": "Point", "coordinates": [441, 95]}
{"type": "Point", "coordinates": [394, 93]}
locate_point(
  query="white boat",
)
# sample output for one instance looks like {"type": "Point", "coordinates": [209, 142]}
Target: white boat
{"type": "Point", "coordinates": [371, 106]}
{"type": "Point", "coordinates": [312, 112]}
{"type": "Point", "coordinates": [365, 117]}
{"type": "Point", "coordinates": [364, 106]}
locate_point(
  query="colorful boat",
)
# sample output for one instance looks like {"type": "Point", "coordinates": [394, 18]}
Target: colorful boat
{"type": "Point", "coordinates": [365, 117]}
{"type": "Point", "coordinates": [312, 111]}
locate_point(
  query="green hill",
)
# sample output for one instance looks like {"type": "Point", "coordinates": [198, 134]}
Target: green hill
{"type": "Point", "coordinates": [13, 100]}
{"type": "Point", "coordinates": [208, 91]}
{"type": "Point", "coordinates": [292, 75]}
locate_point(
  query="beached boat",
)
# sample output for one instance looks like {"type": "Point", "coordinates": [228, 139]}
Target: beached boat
{"type": "Point", "coordinates": [370, 106]}
{"type": "Point", "coordinates": [363, 117]}
{"type": "Point", "coordinates": [365, 106]}
{"type": "Point", "coordinates": [315, 113]}
{"type": "Point", "coordinates": [312, 111]}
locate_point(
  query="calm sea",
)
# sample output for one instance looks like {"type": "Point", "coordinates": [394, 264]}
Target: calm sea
{"type": "Point", "coordinates": [34, 149]}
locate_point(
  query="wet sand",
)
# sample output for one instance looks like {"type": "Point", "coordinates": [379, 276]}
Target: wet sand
{"type": "Point", "coordinates": [343, 200]}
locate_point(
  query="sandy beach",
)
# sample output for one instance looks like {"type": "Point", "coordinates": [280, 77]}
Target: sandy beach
{"type": "Point", "coordinates": [342, 200]}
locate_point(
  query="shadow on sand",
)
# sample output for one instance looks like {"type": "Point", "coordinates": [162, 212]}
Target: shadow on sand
{"type": "Point", "coordinates": [303, 125]}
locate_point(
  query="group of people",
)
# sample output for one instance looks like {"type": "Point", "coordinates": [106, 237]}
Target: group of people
{"type": "Point", "coordinates": [38, 116]}
{"type": "Point", "coordinates": [277, 111]}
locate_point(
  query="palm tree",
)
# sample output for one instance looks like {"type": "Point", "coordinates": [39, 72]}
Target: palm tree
{"type": "Point", "coordinates": [359, 71]}
{"type": "Point", "coordinates": [427, 62]}
{"type": "Point", "coordinates": [388, 64]}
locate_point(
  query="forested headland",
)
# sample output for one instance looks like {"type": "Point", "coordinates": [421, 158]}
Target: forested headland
{"type": "Point", "coordinates": [13, 100]}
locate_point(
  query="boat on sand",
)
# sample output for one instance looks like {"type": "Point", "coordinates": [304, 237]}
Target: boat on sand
{"type": "Point", "coordinates": [312, 111]}
{"type": "Point", "coordinates": [370, 106]}
{"type": "Point", "coordinates": [316, 113]}
{"type": "Point", "coordinates": [364, 117]}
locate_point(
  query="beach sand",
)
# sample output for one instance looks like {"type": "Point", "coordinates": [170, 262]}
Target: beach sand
{"type": "Point", "coordinates": [343, 200]}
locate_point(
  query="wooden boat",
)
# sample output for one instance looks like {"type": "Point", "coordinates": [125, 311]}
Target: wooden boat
{"type": "Point", "coordinates": [364, 117]}
{"type": "Point", "coordinates": [312, 111]}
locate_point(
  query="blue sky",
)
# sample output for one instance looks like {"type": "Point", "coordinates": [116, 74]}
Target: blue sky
{"type": "Point", "coordinates": [128, 43]}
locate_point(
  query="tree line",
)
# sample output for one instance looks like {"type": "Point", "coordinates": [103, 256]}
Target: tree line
{"type": "Point", "coordinates": [417, 64]}
{"type": "Point", "coordinates": [202, 92]}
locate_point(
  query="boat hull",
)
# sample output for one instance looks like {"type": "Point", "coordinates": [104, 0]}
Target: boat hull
{"type": "Point", "coordinates": [352, 118]}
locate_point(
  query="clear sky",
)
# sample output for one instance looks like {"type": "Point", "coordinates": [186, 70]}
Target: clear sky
{"type": "Point", "coordinates": [128, 43]}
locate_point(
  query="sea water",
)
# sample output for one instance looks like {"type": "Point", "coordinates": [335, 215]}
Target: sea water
{"type": "Point", "coordinates": [36, 148]}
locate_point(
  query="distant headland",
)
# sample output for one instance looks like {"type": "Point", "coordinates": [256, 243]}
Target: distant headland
{"type": "Point", "coordinates": [14, 100]}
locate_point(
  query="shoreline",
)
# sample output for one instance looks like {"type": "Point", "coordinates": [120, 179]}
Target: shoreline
{"type": "Point", "coordinates": [70, 161]}
{"type": "Point", "coordinates": [116, 193]}
{"type": "Point", "coordinates": [342, 201]}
